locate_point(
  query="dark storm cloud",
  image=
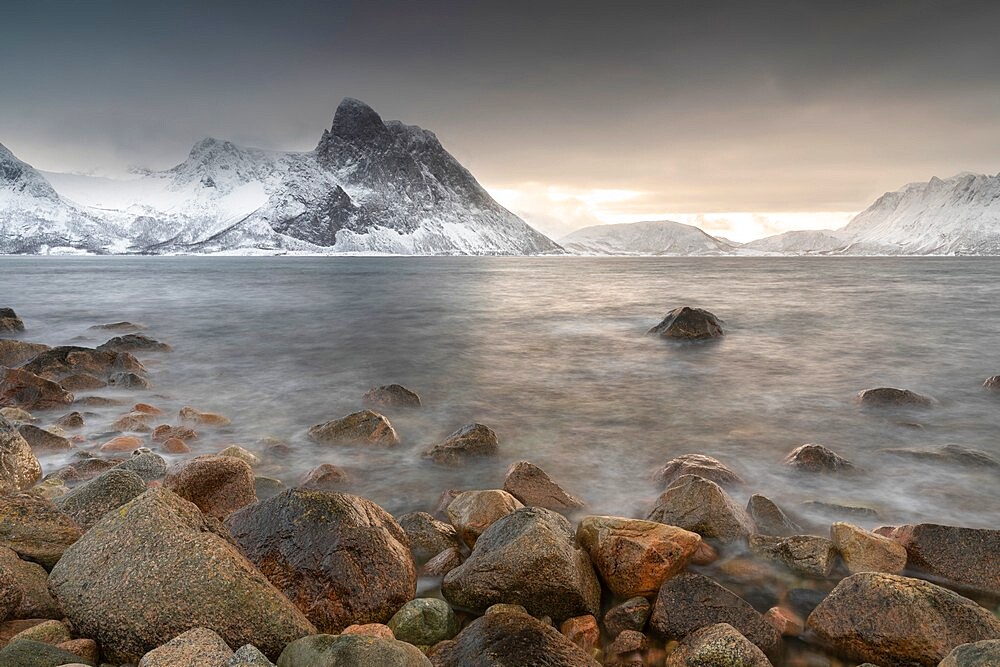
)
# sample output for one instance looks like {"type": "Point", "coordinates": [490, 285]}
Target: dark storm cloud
{"type": "Point", "coordinates": [700, 106]}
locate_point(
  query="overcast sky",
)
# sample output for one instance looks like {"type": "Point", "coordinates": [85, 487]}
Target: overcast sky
{"type": "Point", "coordinates": [744, 117]}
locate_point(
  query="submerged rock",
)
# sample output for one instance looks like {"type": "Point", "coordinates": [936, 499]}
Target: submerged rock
{"type": "Point", "coordinates": [128, 381]}
{"type": "Point", "coordinates": [19, 469]}
{"type": "Point", "coordinates": [9, 321]}
{"type": "Point", "coordinates": [361, 428]}
{"type": "Point", "coordinates": [889, 397]}
{"type": "Point", "coordinates": [22, 389]}
{"type": "Point", "coordinates": [948, 454]}
{"type": "Point", "coordinates": [701, 506]}
{"type": "Point", "coordinates": [816, 459]}
{"type": "Point", "coordinates": [133, 343]}
{"type": "Point", "coordinates": [334, 650]}
{"type": "Point", "coordinates": [703, 466]}
{"type": "Point", "coordinates": [469, 442]}
{"type": "Point", "coordinates": [390, 396]}
{"type": "Point", "coordinates": [717, 645]}
{"type": "Point", "coordinates": [36, 529]}
{"type": "Point", "coordinates": [992, 383]}
{"type": "Point", "coordinates": [804, 554]}
{"type": "Point", "coordinates": [472, 512]}
{"type": "Point", "coordinates": [532, 486]}
{"type": "Point", "coordinates": [242, 454]}
{"type": "Point", "coordinates": [324, 477]}
{"type": "Point", "coordinates": [165, 432]}
{"type": "Point", "coordinates": [687, 323]}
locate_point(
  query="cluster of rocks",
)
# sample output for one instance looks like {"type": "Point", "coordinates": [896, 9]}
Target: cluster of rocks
{"type": "Point", "coordinates": [119, 558]}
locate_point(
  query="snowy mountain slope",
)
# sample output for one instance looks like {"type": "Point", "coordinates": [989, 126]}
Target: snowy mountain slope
{"type": "Point", "coordinates": [658, 237]}
{"type": "Point", "coordinates": [798, 242]}
{"type": "Point", "coordinates": [370, 186]}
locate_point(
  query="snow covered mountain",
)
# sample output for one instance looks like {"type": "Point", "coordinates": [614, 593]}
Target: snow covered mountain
{"type": "Point", "coordinates": [369, 187]}
{"type": "Point", "coordinates": [657, 237]}
{"type": "Point", "coordinates": [798, 242]}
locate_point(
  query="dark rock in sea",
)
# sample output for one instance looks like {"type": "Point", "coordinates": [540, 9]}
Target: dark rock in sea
{"type": "Point", "coordinates": [687, 323]}
{"type": "Point", "coordinates": [806, 555]}
{"type": "Point", "coordinates": [472, 512]}
{"type": "Point", "coordinates": [82, 382]}
{"type": "Point", "coordinates": [893, 620]}
{"type": "Point", "coordinates": [9, 321]}
{"type": "Point", "coordinates": [697, 464]}
{"type": "Point", "coordinates": [963, 557]}
{"type": "Point", "coordinates": [532, 486]}
{"type": "Point", "coordinates": [19, 469]}
{"type": "Point", "coordinates": [158, 567]}
{"type": "Point", "coordinates": [59, 362]}
{"type": "Point", "coordinates": [88, 503]}
{"type": "Point", "coordinates": [837, 510]}
{"type": "Point", "coordinates": [124, 380]}
{"type": "Point", "coordinates": [948, 454]}
{"type": "Point", "coordinates": [13, 353]}
{"type": "Point", "coordinates": [218, 485]}
{"type": "Point", "coordinates": [816, 459]}
{"type": "Point", "coordinates": [717, 645]}
{"type": "Point", "coordinates": [864, 551]}
{"type": "Point", "coordinates": [531, 558]}
{"type": "Point", "coordinates": [134, 343]}
{"type": "Point", "coordinates": [689, 602]}
{"type": "Point", "coordinates": [889, 397]}
{"type": "Point", "coordinates": [267, 487]}
{"type": "Point", "coordinates": [30, 653]}
{"type": "Point", "coordinates": [992, 383]}
{"type": "Point", "coordinates": [341, 558]}
{"type": "Point", "coordinates": [360, 428]}
{"type": "Point", "coordinates": [36, 529]}
{"type": "Point", "coordinates": [769, 519]}
{"type": "Point", "coordinates": [118, 326]}
{"type": "Point", "coordinates": [333, 650]}
{"type": "Point", "coordinates": [701, 506]}
{"type": "Point", "coordinates": [469, 442]}
{"type": "Point", "coordinates": [428, 536]}
{"type": "Point", "coordinates": [73, 420]}
{"type": "Point", "coordinates": [390, 396]}
{"type": "Point", "coordinates": [511, 639]}
{"type": "Point", "coordinates": [42, 441]}
{"type": "Point", "coordinates": [424, 622]}
{"type": "Point", "coordinates": [165, 432]}
{"type": "Point", "coordinates": [198, 646]}
{"type": "Point", "coordinates": [629, 615]}
{"type": "Point", "coordinates": [22, 389]}
{"type": "Point", "coordinates": [324, 477]}
{"type": "Point", "coordinates": [975, 654]}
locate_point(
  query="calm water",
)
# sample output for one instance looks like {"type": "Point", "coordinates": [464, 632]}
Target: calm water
{"type": "Point", "coordinates": [551, 352]}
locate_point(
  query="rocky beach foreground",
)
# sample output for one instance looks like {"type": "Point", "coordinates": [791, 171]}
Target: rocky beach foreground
{"type": "Point", "coordinates": [123, 541]}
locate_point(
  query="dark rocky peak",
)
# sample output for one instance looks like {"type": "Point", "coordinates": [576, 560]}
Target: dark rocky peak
{"type": "Point", "coordinates": [355, 124]}
{"type": "Point", "coordinates": [22, 177]}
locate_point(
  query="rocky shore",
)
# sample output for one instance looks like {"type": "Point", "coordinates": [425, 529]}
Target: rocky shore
{"type": "Point", "coordinates": [124, 541]}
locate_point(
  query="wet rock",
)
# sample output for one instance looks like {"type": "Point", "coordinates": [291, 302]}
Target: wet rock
{"type": "Point", "coordinates": [59, 362]}
{"type": "Point", "coordinates": [86, 649]}
{"type": "Point", "coordinates": [361, 428]}
{"type": "Point", "coordinates": [717, 645]}
{"type": "Point", "coordinates": [13, 353]}
{"type": "Point", "coordinates": [72, 420]}
{"type": "Point", "coordinates": [42, 441]}
{"type": "Point", "coordinates": [32, 582]}
{"type": "Point", "coordinates": [390, 396]}
{"type": "Point", "coordinates": [199, 647]}
{"type": "Point", "coordinates": [804, 600]}
{"type": "Point", "coordinates": [100, 402]}
{"type": "Point", "coordinates": [242, 454]}
{"type": "Point", "coordinates": [19, 469]}
{"type": "Point", "coordinates": [441, 509]}
{"type": "Point", "coordinates": [369, 630]}
{"type": "Point", "coordinates": [424, 622]}
{"type": "Point", "coordinates": [701, 506]}
{"type": "Point", "coordinates": [629, 615]}
{"type": "Point", "coordinates": [249, 656]}
{"type": "Point", "coordinates": [35, 529]}
{"type": "Point", "coordinates": [864, 551]}
{"type": "Point", "coordinates": [88, 503]}
{"type": "Point", "coordinates": [443, 563]}
{"type": "Point", "coordinates": [697, 464]}
{"type": "Point", "coordinates": [165, 432]}
{"type": "Point", "coordinates": [967, 557]}
{"type": "Point", "coordinates": [137, 422]}
{"type": "Point", "coordinates": [147, 409]}
{"type": "Point", "coordinates": [769, 518]}
{"type": "Point", "coordinates": [267, 487]}
{"type": "Point", "coordinates": [975, 654]}
{"type": "Point", "coordinates": [341, 558]}
{"type": "Point", "coordinates": [11, 593]}
{"type": "Point", "coordinates": [28, 653]}
{"type": "Point", "coordinates": [428, 536]}
{"type": "Point", "coordinates": [837, 510]}
{"type": "Point", "coordinates": [530, 558]}
{"type": "Point", "coordinates": [472, 441]}
{"type": "Point", "coordinates": [532, 486]}
{"type": "Point", "coordinates": [218, 485]}
{"type": "Point", "coordinates": [816, 459]}
{"type": "Point", "coordinates": [51, 632]}
{"type": "Point", "coordinates": [893, 620]}
{"type": "Point", "coordinates": [324, 477]}
{"type": "Point", "coordinates": [118, 326]}
{"type": "Point", "coordinates": [888, 397]}
{"type": "Point", "coordinates": [472, 512]}
{"type": "Point", "coordinates": [628, 642]}
{"type": "Point", "coordinates": [9, 321]}
{"type": "Point", "coordinates": [332, 650]}
{"type": "Point", "coordinates": [582, 631]}
{"type": "Point", "coordinates": [687, 323]}
{"type": "Point", "coordinates": [17, 416]}
{"type": "Point", "coordinates": [81, 382]}
{"type": "Point", "coordinates": [634, 557]}
{"type": "Point", "coordinates": [128, 381]}
{"type": "Point", "coordinates": [948, 454]}
{"type": "Point", "coordinates": [175, 446]}
{"type": "Point", "coordinates": [511, 640]}
{"type": "Point", "coordinates": [785, 621]}
{"type": "Point", "coordinates": [140, 577]}
{"type": "Point", "coordinates": [88, 467]}
{"type": "Point", "coordinates": [123, 443]}
{"type": "Point", "coordinates": [992, 383]}
{"type": "Point", "coordinates": [22, 389]}
{"type": "Point", "coordinates": [189, 414]}
{"type": "Point", "coordinates": [690, 601]}
{"type": "Point", "coordinates": [134, 343]}
{"type": "Point", "coordinates": [146, 464]}
{"type": "Point", "coordinates": [806, 555]}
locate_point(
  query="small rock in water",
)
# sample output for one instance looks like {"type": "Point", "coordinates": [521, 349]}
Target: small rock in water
{"type": "Point", "coordinates": [82, 382]}
{"type": "Point", "coordinates": [582, 631]}
{"type": "Point", "coordinates": [19, 469]}
{"type": "Point", "coordinates": [360, 428]}
{"type": "Point", "coordinates": [267, 487]}
{"type": "Point", "coordinates": [785, 621]}
{"type": "Point", "coordinates": [390, 396]}
{"type": "Point", "coordinates": [473, 512]}
{"type": "Point", "coordinates": [864, 551]}
{"type": "Point", "coordinates": [532, 486]}
{"type": "Point", "coordinates": [629, 615]}
{"type": "Point", "coordinates": [199, 646]}
{"type": "Point", "coordinates": [134, 343]}
{"type": "Point", "coordinates": [218, 485]}
{"type": "Point", "coordinates": [60, 362]}
{"type": "Point", "coordinates": [889, 397]}
{"type": "Point", "coordinates": [701, 506]}
{"type": "Point", "coordinates": [804, 554]}
{"type": "Point", "coordinates": [147, 409]}
{"type": "Point", "coordinates": [71, 420]}
{"type": "Point", "coordinates": [118, 326]}
{"type": "Point", "coordinates": [9, 321]}
{"type": "Point", "coordinates": [837, 510]}
{"type": "Point", "coordinates": [719, 644]}
{"type": "Point", "coordinates": [769, 518]}
{"type": "Point", "coordinates": [324, 477]}
{"type": "Point", "coordinates": [697, 464]}
{"type": "Point", "coordinates": [22, 389]}
{"type": "Point", "coordinates": [175, 446]}
{"type": "Point", "coordinates": [165, 432]}
{"type": "Point", "coordinates": [123, 443]}
{"type": "Point", "coordinates": [993, 383]}
{"type": "Point", "coordinates": [128, 381]}
{"type": "Point", "coordinates": [136, 422]}
{"type": "Point", "coordinates": [189, 414]}
{"type": "Point", "coordinates": [948, 454]}
{"type": "Point", "coordinates": [816, 459]}
{"type": "Point", "coordinates": [627, 647]}
{"type": "Point", "coordinates": [424, 622]}
{"type": "Point", "coordinates": [13, 353]}
{"type": "Point", "coordinates": [43, 441]}
{"type": "Point", "coordinates": [428, 536]}
{"type": "Point", "coordinates": [687, 323]}
{"type": "Point", "coordinates": [469, 442]}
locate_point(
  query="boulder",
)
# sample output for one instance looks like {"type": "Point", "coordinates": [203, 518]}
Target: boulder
{"type": "Point", "coordinates": [123, 380]}
{"type": "Point", "coordinates": [81, 382]}
{"type": "Point", "coordinates": [470, 442]}
{"type": "Point", "coordinates": [35, 529]}
{"type": "Point", "coordinates": [134, 343]}
{"type": "Point", "coordinates": [361, 428]}
{"type": "Point", "coordinates": [965, 557]}
{"type": "Point", "coordinates": [13, 353]}
{"type": "Point", "coordinates": [428, 536]}
{"type": "Point", "coordinates": [22, 389]}
{"type": "Point", "coordinates": [19, 469]}
{"type": "Point", "coordinates": [443, 563]}
{"type": "Point", "coordinates": [51, 632]}
{"type": "Point", "coordinates": [528, 557]}
{"type": "Point", "coordinates": [686, 323]}
{"type": "Point", "coordinates": [71, 420]}
{"type": "Point", "coordinates": [424, 622]}
{"type": "Point", "coordinates": [242, 454]}
{"type": "Point", "coordinates": [390, 396]}
{"type": "Point", "coordinates": [472, 512]}
{"type": "Point", "coordinates": [892, 620]}
{"type": "Point", "coordinates": [888, 397]}
{"type": "Point", "coordinates": [975, 654]}
{"type": "Point", "coordinates": [769, 519]}
{"type": "Point", "coordinates": [218, 485]}
{"type": "Point", "coordinates": [157, 567]}
{"type": "Point", "coordinates": [582, 631]}
{"type": "Point", "coordinates": [29, 653]}
{"type": "Point", "coordinates": [60, 362]}
{"type": "Point", "coordinates": [17, 416]}
{"type": "Point", "coordinates": [165, 432]}
{"type": "Point", "coordinates": [992, 383]}
{"type": "Point", "coordinates": [807, 555]}
{"type": "Point", "coordinates": [33, 582]}
{"type": "Point", "coordinates": [701, 506]}
{"type": "Point", "coordinates": [334, 650]}
{"type": "Point", "coordinates": [634, 557]}
{"type": "Point", "coordinates": [629, 615]}
{"type": "Point", "coordinates": [816, 459]}
{"type": "Point", "coordinates": [511, 640]}
{"type": "Point", "coordinates": [369, 630]}
{"type": "Point", "coordinates": [198, 647]}
{"type": "Point", "coordinates": [88, 503]}
{"type": "Point", "coordinates": [146, 464]}
{"type": "Point", "coordinates": [9, 321]}
{"type": "Point", "coordinates": [189, 414]}
{"type": "Point", "coordinates": [697, 464]}
{"type": "Point", "coordinates": [123, 443]}
{"type": "Point", "coordinates": [342, 559]}
{"type": "Point", "coordinates": [324, 477]}
{"type": "Point", "coordinates": [864, 551]}
{"type": "Point", "coordinates": [249, 656]}
{"type": "Point", "coordinates": [718, 645]}
{"type": "Point", "coordinates": [532, 486]}
{"type": "Point", "coordinates": [136, 422]}
{"type": "Point", "coordinates": [689, 602]}
{"type": "Point", "coordinates": [11, 592]}
{"type": "Point", "coordinates": [43, 441]}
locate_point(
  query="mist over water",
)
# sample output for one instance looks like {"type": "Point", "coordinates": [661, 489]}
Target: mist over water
{"type": "Point", "coordinates": [552, 354]}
